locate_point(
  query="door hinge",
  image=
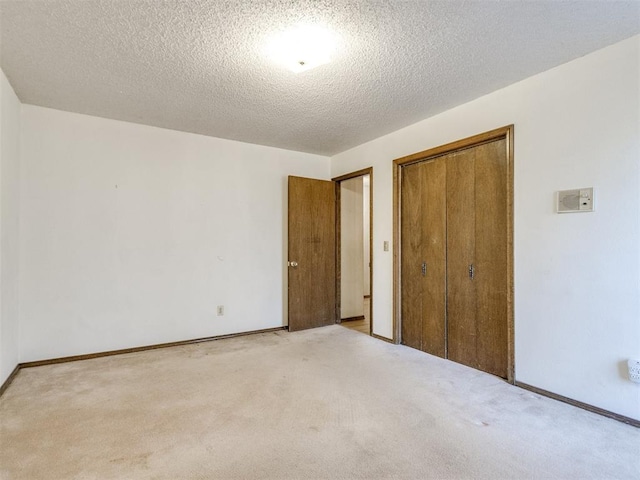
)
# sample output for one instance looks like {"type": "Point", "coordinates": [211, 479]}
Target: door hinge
{"type": "Point", "coordinates": [472, 271]}
{"type": "Point", "coordinates": [424, 269]}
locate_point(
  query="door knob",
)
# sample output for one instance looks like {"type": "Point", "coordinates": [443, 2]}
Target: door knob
{"type": "Point", "coordinates": [292, 264]}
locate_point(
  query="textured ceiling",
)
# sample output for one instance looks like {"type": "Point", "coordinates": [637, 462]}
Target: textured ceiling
{"type": "Point", "coordinates": [199, 66]}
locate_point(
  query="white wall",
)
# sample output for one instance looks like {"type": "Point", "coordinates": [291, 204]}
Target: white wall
{"type": "Point", "coordinates": [132, 235]}
{"type": "Point", "coordinates": [351, 249]}
{"type": "Point", "coordinates": [577, 276]}
{"type": "Point", "coordinates": [9, 229]}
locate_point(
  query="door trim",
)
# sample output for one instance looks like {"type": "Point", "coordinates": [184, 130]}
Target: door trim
{"type": "Point", "coordinates": [505, 133]}
{"type": "Point", "coordinates": [337, 180]}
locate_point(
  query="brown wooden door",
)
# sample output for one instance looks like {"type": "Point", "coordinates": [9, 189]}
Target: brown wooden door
{"type": "Point", "coordinates": [412, 255]}
{"type": "Point", "coordinates": [477, 270]}
{"type": "Point", "coordinates": [461, 293]}
{"type": "Point", "coordinates": [454, 220]}
{"type": "Point", "coordinates": [490, 266]}
{"type": "Point", "coordinates": [434, 235]}
{"type": "Point", "coordinates": [423, 246]}
{"type": "Point", "coordinates": [312, 253]}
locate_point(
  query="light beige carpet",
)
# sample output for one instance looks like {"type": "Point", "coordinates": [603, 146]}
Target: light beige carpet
{"type": "Point", "coordinates": [328, 403]}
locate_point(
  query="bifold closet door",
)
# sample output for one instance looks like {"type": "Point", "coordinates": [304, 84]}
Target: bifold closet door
{"type": "Point", "coordinates": [491, 268]}
{"type": "Point", "coordinates": [423, 259]}
{"type": "Point", "coordinates": [477, 257]}
{"type": "Point", "coordinates": [461, 293]}
{"type": "Point", "coordinates": [411, 247]}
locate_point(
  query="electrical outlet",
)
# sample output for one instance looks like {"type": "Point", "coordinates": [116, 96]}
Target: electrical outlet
{"type": "Point", "coordinates": [220, 310]}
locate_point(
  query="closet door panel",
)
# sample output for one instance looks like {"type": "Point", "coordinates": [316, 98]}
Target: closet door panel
{"type": "Point", "coordinates": [411, 255]}
{"type": "Point", "coordinates": [434, 231]}
{"type": "Point", "coordinates": [491, 257]}
{"type": "Point", "coordinates": [461, 296]}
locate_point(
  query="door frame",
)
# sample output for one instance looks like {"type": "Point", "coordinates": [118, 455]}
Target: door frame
{"type": "Point", "coordinates": [338, 180]}
{"type": "Point", "coordinates": [505, 133]}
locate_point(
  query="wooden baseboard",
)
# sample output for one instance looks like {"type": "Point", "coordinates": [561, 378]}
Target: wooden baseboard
{"type": "Point", "coordinates": [576, 403]}
{"type": "Point", "coordinates": [9, 379]}
{"type": "Point", "coordinates": [352, 319]}
{"type": "Point", "coordinates": [88, 356]}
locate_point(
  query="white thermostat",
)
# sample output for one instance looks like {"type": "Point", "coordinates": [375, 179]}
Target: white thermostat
{"type": "Point", "coordinates": [572, 201]}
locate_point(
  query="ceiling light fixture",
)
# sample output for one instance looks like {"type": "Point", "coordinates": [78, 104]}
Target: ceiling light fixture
{"type": "Point", "coordinates": [302, 48]}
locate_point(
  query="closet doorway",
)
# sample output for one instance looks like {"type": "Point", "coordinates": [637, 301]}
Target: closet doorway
{"type": "Point", "coordinates": [354, 201]}
{"type": "Point", "coordinates": [453, 263]}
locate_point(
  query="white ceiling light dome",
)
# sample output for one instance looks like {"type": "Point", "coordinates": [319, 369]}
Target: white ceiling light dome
{"type": "Point", "coordinates": [302, 47]}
